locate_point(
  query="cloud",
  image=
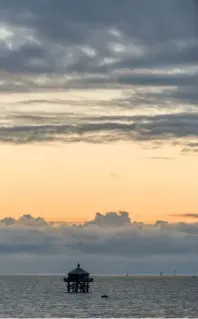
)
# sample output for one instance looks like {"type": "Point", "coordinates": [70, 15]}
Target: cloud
{"type": "Point", "coordinates": [188, 215]}
{"type": "Point", "coordinates": [109, 243]}
{"type": "Point", "coordinates": [91, 26]}
{"type": "Point", "coordinates": [158, 158]}
{"type": "Point", "coordinates": [111, 219]}
{"type": "Point", "coordinates": [148, 51]}
{"type": "Point", "coordinates": [63, 37]}
{"type": "Point", "coordinates": [175, 127]}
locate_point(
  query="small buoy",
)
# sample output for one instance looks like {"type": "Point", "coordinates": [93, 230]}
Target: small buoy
{"type": "Point", "coordinates": [104, 296]}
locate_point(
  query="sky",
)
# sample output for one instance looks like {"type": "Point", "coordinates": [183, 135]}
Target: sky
{"type": "Point", "coordinates": [98, 110]}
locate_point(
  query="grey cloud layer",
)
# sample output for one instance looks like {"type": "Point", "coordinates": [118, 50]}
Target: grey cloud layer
{"type": "Point", "coordinates": [65, 36]}
{"type": "Point", "coordinates": [136, 44]}
{"type": "Point", "coordinates": [111, 239]}
{"type": "Point", "coordinates": [71, 128]}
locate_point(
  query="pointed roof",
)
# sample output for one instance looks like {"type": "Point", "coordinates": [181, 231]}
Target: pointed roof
{"type": "Point", "coordinates": [78, 271]}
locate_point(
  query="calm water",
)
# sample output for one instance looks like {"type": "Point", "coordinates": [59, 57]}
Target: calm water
{"type": "Point", "coordinates": [143, 296]}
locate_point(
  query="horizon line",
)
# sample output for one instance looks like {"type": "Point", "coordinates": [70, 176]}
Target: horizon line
{"type": "Point", "coordinates": [105, 274]}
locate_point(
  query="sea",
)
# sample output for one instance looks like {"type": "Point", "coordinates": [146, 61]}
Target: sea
{"type": "Point", "coordinates": [132, 296]}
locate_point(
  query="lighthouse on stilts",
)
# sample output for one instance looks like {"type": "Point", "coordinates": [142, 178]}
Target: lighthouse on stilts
{"type": "Point", "coordinates": [78, 280]}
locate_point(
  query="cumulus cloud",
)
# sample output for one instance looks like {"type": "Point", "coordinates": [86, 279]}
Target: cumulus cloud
{"type": "Point", "coordinates": [111, 243]}
{"type": "Point", "coordinates": [111, 219]}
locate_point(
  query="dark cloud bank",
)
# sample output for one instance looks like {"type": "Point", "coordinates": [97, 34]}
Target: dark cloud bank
{"type": "Point", "coordinates": [98, 129]}
{"type": "Point", "coordinates": [111, 243]}
{"type": "Point", "coordinates": [148, 47]}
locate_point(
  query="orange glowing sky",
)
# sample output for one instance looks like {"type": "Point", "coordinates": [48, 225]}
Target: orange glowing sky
{"type": "Point", "coordinates": [74, 181]}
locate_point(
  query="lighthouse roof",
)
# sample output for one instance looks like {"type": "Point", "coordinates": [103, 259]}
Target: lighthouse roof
{"type": "Point", "coordinates": [78, 271]}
